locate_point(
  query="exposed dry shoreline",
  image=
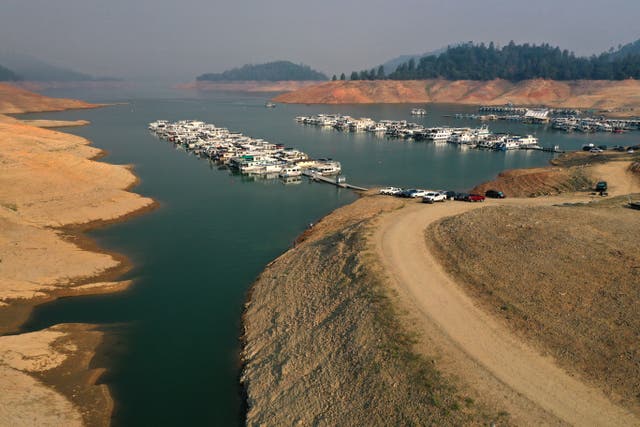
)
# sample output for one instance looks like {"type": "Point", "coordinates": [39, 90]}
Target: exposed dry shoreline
{"type": "Point", "coordinates": [623, 96]}
{"type": "Point", "coordinates": [52, 189]}
{"type": "Point", "coordinates": [320, 320]}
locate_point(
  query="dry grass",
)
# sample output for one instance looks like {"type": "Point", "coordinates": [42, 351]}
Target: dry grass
{"type": "Point", "coordinates": [538, 182]}
{"type": "Point", "coordinates": [324, 344]}
{"type": "Point", "coordinates": [567, 278]}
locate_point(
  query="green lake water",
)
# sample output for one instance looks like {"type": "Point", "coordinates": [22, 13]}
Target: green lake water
{"type": "Point", "coordinates": [172, 355]}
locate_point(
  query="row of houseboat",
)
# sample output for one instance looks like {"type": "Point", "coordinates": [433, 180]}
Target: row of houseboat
{"type": "Point", "coordinates": [567, 120]}
{"type": "Point", "coordinates": [473, 137]}
{"type": "Point", "coordinates": [592, 124]}
{"type": "Point", "coordinates": [244, 154]}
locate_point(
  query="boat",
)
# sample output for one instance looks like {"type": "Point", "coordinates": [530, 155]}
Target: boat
{"type": "Point", "coordinates": [437, 134]}
{"type": "Point", "coordinates": [509, 144]}
{"type": "Point", "coordinates": [418, 112]}
{"type": "Point", "coordinates": [528, 140]}
{"type": "Point", "coordinates": [290, 171]}
{"type": "Point", "coordinates": [270, 105]}
{"type": "Point", "coordinates": [328, 167]}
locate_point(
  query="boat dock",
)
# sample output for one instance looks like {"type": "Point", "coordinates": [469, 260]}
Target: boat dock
{"type": "Point", "coordinates": [332, 180]}
{"type": "Point", "coordinates": [555, 149]}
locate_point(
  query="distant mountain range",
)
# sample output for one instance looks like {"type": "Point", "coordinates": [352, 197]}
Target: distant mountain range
{"type": "Point", "coordinates": [271, 71]}
{"type": "Point", "coordinates": [33, 69]}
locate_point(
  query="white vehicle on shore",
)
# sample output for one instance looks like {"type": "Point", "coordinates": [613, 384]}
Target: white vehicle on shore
{"type": "Point", "coordinates": [433, 196]}
{"type": "Point", "coordinates": [419, 193]}
{"type": "Point", "coordinates": [390, 191]}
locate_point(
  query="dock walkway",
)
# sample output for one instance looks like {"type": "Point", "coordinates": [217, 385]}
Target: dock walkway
{"type": "Point", "coordinates": [332, 180]}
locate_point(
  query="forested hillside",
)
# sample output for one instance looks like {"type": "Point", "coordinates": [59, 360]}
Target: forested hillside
{"type": "Point", "coordinates": [515, 63]}
{"type": "Point", "coordinates": [272, 71]}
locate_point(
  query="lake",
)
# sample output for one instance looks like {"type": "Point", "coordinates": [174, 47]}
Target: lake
{"type": "Point", "coordinates": [172, 351]}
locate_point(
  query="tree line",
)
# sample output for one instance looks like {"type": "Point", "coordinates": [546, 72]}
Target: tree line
{"type": "Point", "coordinates": [272, 71]}
{"type": "Point", "coordinates": [512, 62]}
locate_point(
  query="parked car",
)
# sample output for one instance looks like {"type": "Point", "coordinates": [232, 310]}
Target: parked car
{"type": "Point", "coordinates": [433, 196]}
{"type": "Point", "coordinates": [408, 192]}
{"type": "Point", "coordinates": [494, 194]}
{"type": "Point", "coordinates": [419, 193]}
{"type": "Point", "coordinates": [596, 150]}
{"type": "Point", "coordinates": [461, 196]}
{"type": "Point", "coordinates": [451, 195]}
{"type": "Point", "coordinates": [601, 186]}
{"type": "Point", "coordinates": [475, 198]}
{"type": "Point", "coordinates": [390, 191]}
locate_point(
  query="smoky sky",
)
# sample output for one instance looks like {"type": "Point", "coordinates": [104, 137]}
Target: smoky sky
{"type": "Point", "coordinates": [164, 39]}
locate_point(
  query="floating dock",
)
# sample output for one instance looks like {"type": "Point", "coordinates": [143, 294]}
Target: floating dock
{"type": "Point", "coordinates": [332, 180]}
{"type": "Point", "coordinates": [555, 149]}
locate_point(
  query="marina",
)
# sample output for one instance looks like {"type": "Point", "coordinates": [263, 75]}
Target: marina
{"type": "Point", "coordinates": [567, 120]}
{"type": "Point", "coordinates": [246, 155]}
{"type": "Point", "coordinates": [401, 129]}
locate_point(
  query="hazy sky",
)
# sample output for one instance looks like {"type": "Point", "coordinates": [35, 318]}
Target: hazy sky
{"type": "Point", "coordinates": [181, 39]}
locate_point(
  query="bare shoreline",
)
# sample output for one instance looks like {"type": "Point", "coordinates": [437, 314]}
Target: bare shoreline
{"type": "Point", "coordinates": [37, 212]}
{"type": "Point", "coordinates": [271, 344]}
{"type": "Point", "coordinates": [622, 97]}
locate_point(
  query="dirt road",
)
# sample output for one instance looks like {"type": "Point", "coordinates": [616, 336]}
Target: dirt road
{"type": "Point", "coordinates": [534, 389]}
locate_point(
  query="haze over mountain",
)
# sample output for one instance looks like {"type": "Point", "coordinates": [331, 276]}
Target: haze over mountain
{"type": "Point", "coordinates": [178, 40]}
{"type": "Point", "coordinates": [391, 65]}
{"type": "Point", "coordinates": [7, 75]}
{"type": "Point", "coordinates": [628, 49]}
{"type": "Point", "coordinates": [34, 69]}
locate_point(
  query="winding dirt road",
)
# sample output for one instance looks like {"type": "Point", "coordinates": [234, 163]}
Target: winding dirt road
{"type": "Point", "coordinates": [531, 386]}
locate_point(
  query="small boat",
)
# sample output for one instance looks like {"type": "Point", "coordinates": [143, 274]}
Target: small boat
{"type": "Point", "coordinates": [418, 112]}
{"type": "Point", "coordinates": [290, 171]}
{"type": "Point", "coordinates": [270, 105]}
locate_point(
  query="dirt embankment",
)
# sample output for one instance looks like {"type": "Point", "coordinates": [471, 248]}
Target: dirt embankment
{"type": "Point", "coordinates": [324, 345]}
{"type": "Point", "coordinates": [602, 95]}
{"type": "Point", "coordinates": [247, 86]}
{"type": "Point", "coordinates": [566, 278]}
{"type": "Point", "coordinates": [14, 100]}
{"type": "Point", "coordinates": [536, 182]}
{"type": "Point", "coordinates": [49, 186]}
{"type": "Point", "coordinates": [572, 172]}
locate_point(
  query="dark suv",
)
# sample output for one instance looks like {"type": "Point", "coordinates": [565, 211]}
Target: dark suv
{"type": "Point", "coordinates": [495, 194]}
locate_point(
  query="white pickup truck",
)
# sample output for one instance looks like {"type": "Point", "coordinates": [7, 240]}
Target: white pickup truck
{"type": "Point", "coordinates": [433, 196]}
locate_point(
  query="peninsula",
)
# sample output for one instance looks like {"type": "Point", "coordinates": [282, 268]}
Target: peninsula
{"type": "Point", "coordinates": [51, 189]}
{"type": "Point", "coordinates": [396, 312]}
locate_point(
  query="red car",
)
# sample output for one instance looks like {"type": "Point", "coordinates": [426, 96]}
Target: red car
{"type": "Point", "coordinates": [475, 198]}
